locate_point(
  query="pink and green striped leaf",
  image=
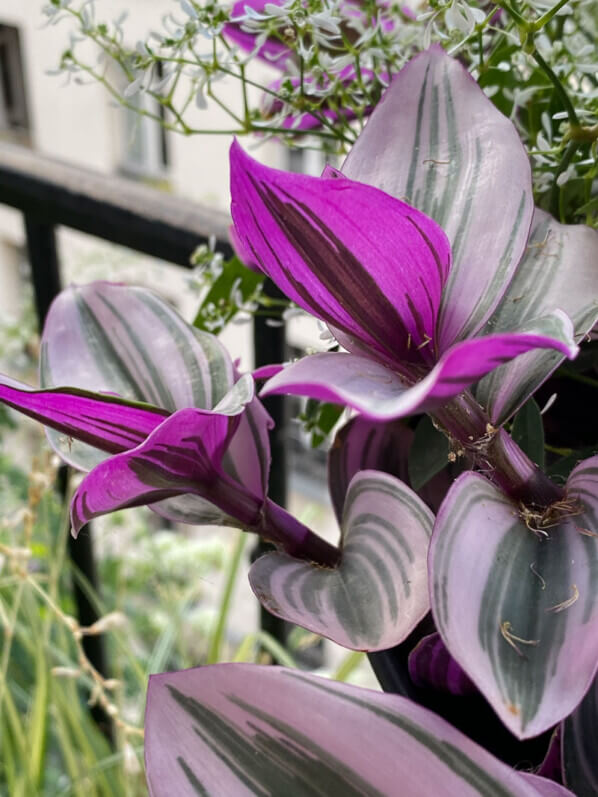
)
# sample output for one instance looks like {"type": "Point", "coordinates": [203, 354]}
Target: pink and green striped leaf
{"type": "Point", "coordinates": [348, 253]}
{"type": "Point", "coordinates": [514, 599]}
{"type": "Point", "coordinates": [437, 142]}
{"type": "Point", "coordinates": [378, 592]}
{"type": "Point", "coordinates": [381, 394]}
{"type": "Point", "coordinates": [125, 340]}
{"type": "Point", "coordinates": [558, 269]}
{"type": "Point", "coordinates": [240, 729]}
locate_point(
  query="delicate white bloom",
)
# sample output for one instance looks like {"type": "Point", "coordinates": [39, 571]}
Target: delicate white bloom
{"type": "Point", "coordinates": [134, 87]}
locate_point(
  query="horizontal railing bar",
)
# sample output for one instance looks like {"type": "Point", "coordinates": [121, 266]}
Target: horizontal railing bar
{"type": "Point", "coordinates": [109, 207]}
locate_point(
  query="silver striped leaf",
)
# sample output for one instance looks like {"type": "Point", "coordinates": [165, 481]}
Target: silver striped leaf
{"type": "Point", "coordinates": [379, 591]}
{"type": "Point", "coordinates": [558, 270]}
{"type": "Point", "coordinates": [437, 142]}
{"type": "Point", "coordinates": [514, 596]}
{"type": "Point", "coordinates": [125, 340]}
{"type": "Point", "coordinates": [240, 729]}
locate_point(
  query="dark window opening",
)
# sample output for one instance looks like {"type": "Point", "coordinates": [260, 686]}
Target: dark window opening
{"type": "Point", "coordinates": [13, 103]}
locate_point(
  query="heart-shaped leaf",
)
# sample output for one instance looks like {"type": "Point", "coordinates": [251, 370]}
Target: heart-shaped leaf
{"type": "Point", "coordinates": [240, 729]}
{"type": "Point", "coordinates": [378, 592]}
{"type": "Point", "coordinates": [514, 596]}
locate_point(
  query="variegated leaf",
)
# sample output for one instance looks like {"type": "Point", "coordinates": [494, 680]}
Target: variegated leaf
{"type": "Point", "coordinates": [437, 142]}
{"type": "Point", "coordinates": [125, 340]}
{"type": "Point", "coordinates": [558, 269]}
{"type": "Point", "coordinates": [379, 590]}
{"type": "Point", "coordinates": [240, 729]}
{"type": "Point", "coordinates": [514, 596]}
{"type": "Point", "coordinates": [579, 746]}
{"type": "Point", "coordinates": [363, 444]}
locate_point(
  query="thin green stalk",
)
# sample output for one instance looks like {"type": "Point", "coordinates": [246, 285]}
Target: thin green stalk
{"type": "Point", "coordinates": [348, 665]}
{"type": "Point", "coordinates": [265, 641]}
{"type": "Point", "coordinates": [225, 603]}
{"type": "Point", "coordinates": [558, 86]}
{"type": "Point", "coordinates": [548, 15]}
{"type": "Point", "coordinates": [555, 204]}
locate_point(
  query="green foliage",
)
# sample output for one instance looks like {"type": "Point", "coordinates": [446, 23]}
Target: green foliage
{"type": "Point", "coordinates": [538, 65]}
{"type": "Point", "coordinates": [319, 419]}
{"type": "Point", "coordinates": [429, 453]}
{"type": "Point", "coordinates": [528, 432]}
{"type": "Point", "coordinates": [233, 288]}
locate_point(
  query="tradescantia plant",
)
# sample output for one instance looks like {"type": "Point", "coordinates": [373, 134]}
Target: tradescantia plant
{"type": "Point", "coordinates": [451, 296]}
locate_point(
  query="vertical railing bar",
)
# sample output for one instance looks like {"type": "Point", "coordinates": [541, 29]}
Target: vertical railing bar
{"type": "Point", "coordinates": [269, 346]}
{"type": "Point", "coordinates": [45, 275]}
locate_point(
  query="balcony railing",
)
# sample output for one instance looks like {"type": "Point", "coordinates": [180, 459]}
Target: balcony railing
{"type": "Point", "coordinates": [50, 193]}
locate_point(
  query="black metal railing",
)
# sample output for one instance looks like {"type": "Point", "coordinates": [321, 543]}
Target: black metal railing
{"type": "Point", "coordinates": [50, 193]}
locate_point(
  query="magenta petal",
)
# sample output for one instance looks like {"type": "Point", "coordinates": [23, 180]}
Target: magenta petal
{"type": "Point", "coordinates": [346, 252]}
{"type": "Point", "coordinates": [107, 422]}
{"type": "Point", "coordinates": [181, 456]}
{"type": "Point", "coordinates": [379, 393]}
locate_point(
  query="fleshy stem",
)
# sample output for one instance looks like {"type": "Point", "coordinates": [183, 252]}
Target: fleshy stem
{"type": "Point", "coordinates": [281, 528]}
{"type": "Point", "coordinates": [495, 453]}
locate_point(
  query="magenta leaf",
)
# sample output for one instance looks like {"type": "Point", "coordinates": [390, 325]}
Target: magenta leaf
{"type": "Point", "coordinates": [513, 596]}
{"type": "Point", "coordinates": [107, 422]}
{"type": "Point", "coordinates": [381, 394]}
{"type": "Point", "coordinates": [431, 665]}
{"type": "Point", "coordinates": [436, 141]}
{"type": "Point", "coordinates": [126, 340]}
{"type": "Point", "coordinates": [346, 252]}
{"type": "Point", "coordinates": [378, 592]}
{"type": "Point", "coordinates": [182, 456]}
{"type": "Point", "coordinates": [240, 729]}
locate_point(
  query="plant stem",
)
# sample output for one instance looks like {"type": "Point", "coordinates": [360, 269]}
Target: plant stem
{"type": "Point", "coordinates": [558, 86]}
{"type": "Point", "coordinates": [224, 609]}
{"type": "Point", "coordinates": [496, 453]}
{"type": "Point", "coordinates": [281, 528]}
{"type": "Point", "coordinates": [548, 15]}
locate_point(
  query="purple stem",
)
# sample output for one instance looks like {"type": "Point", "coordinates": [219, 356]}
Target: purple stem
{"type": "Point", "coordinates": [496, 453]}
{"type": "Point", "coordinates": [281, 528]}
